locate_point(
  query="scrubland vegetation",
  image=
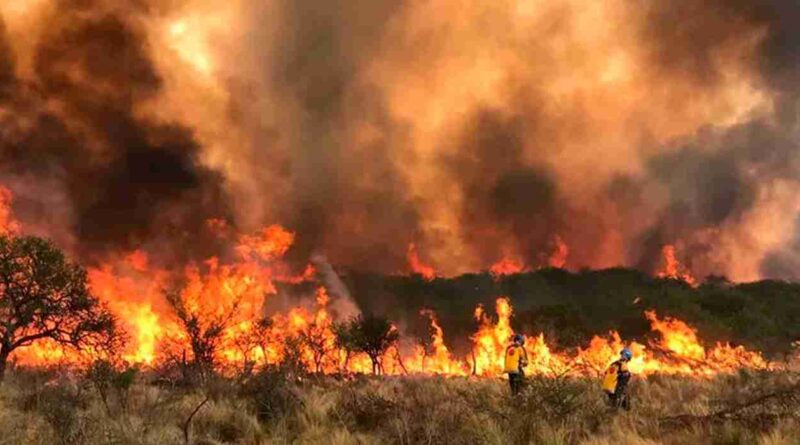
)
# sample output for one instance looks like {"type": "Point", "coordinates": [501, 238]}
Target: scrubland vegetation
{"type": "Point", "coordinates": [103, 406]}
{"type": "Point", "coordinates": [571, 307]}
{"type": "Point", "coordinates": [192, 396]}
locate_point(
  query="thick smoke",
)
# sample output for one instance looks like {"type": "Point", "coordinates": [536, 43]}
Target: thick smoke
{"type": "Point", "coordinates": [474, 130]}
{"type": "Point", "coordinates": [129, 179]}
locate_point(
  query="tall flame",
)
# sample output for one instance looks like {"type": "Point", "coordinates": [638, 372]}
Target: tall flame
{"type": "Point", "coordinates": [673, 268]}
{"type": "Point", "coordinates": [558, 258]}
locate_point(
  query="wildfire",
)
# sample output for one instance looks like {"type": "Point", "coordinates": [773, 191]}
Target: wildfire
{"type": "Point", "coordinates": [8, 225]}
{"type": "Point", "coordinates": [509, 265]}
{"type": "Point", "coordinates": [491, 339]}
{"type": "Point", "coordinates": [506, 266]}
{"type": "Point", "coordinates": [681, 342]}
{"type": "Point", "coordinates": [271, 243]}
{"type": "Point", "coordinates": [438, 360]}
{"type": "Point", "coordinates": [559, 256]}
{"type": "Point", "coordinates": [229, 298]}
{"type": "Point", "coordinates": [132, 289]}
{"type": "Point", "coordinates": [673, 268]}
{"type": "Point", "coordinates": [417, 266]}
{"type": "Point", "coordinates": [307, 337]}
{"type": "Point", "coordinates": [678, 351]}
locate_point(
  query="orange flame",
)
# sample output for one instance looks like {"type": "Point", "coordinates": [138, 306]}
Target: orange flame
{"type": "Point", "coordinates": [417, 266]}
{"type": "Point", "coordinates": [558, 258]}
{"type": "Point", "coordinates": [439, 360]}
{"type": "Point", "coordinates": [8, 224]}
{"type": "Point", "coordinates": [673, 269]}
{"type": "Point", "coordinates": [506, 266]}
{"type": "Point", "coordinates": [491, 339]}
{"type": "Point", "coordinates": [133, 288]}
{"type": "Point", "coordinates": [678, 351]}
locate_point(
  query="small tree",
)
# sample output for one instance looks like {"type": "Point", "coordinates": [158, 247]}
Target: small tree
{"type": "Point", "coordinates": [292, 363]}
{"type": "Point", "coordinates": [249, 341]}
{"type": "Point", "coordinates": [423, 335]}
{"type": "Point", "coordinates": [345, 342]}
{"type": "Point", "coordinates": [372, 335]}
{"type": "Point", "coordinates": [44, 296]}
{"type": "Point", "coordinates": [208, 307]}
{"type": "Point", "coordinates": [204, 332]}
{"type": "Point", "coordinates": [317, 338]}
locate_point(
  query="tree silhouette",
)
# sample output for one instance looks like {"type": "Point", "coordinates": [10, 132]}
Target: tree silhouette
{"type": "Point", "coordinates": [370, 334]}
{"type": "Point", "coordinates": [45, 296]}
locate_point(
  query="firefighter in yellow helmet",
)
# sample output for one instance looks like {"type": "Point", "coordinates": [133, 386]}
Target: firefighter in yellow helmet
{"type": "Point", "coordinates": [515, 363]}
{"type": "Point", "coordinates": [616, 378]}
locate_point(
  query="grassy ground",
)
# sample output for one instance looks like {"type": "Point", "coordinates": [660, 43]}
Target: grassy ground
{"type": "Point", "coordinates": [48, 408]}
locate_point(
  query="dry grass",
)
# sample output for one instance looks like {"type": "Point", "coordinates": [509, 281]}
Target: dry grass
{"type": "Point", "coordinates": [48, 408]}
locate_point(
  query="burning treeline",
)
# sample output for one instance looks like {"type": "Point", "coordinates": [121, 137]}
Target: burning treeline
{"type": "Point", "coordinates": [440, 137]}
{"type": "Point", "coordinates": [232, 296]}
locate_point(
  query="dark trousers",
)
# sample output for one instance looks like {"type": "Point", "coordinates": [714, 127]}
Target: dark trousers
{"type": "Point", "coordinates": [619, 397]}
{"type": "Point", "coordinates": [515, 380]}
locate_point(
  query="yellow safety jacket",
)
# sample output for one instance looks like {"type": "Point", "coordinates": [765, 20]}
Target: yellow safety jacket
{"type": "Point", "coordinates": [611, 376]}
{"type": "Point", "coordinates": [516, 359]}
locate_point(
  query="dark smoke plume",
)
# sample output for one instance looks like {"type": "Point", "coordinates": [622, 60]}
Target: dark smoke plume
{"type": "Point", "coordinates": [129, 180]}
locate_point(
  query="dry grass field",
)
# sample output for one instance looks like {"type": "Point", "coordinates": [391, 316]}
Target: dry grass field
{"type": "Point", "coordinates": [55, 408]}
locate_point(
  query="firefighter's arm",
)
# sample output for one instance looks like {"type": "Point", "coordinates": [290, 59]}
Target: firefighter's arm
{"type": "Point", "coordinates": [523, 361]}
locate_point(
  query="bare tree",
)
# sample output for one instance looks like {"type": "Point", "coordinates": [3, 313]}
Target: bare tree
{"type": "Point", "coordinates": [249, 341]}
{"type": "Point", "coordinates": [345, 342]}
{"type": "Point", "coordinates": [45, 296]}
{"type": "Point", "coordinates": [319, 340]}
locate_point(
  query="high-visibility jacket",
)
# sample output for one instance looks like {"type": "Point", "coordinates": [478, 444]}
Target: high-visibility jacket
{"type": "Point", "coordinates": [612, 376]}
{"type": "Point", "coordinates": [516, 359]}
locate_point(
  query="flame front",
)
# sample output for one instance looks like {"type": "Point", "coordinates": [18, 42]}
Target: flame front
{"type": "Point", "coordinates": [677, 351]}
{"type": "Point", "coordinates": [235, 292]}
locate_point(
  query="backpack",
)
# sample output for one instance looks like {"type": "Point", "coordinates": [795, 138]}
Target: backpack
{"type": "Point", "coordinates": [610, 378]}
{"type": "Point", "coordinates": [513, 357]}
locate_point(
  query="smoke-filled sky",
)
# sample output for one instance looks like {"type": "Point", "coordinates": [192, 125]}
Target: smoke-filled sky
{"type": "Point", "coordinates": [476, 130]}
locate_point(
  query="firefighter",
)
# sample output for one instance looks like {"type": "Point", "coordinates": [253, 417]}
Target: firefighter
{"type": "Point", "coordinates": [615, 381]}
{"type": "Point", "coordinates": [516, 361]}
